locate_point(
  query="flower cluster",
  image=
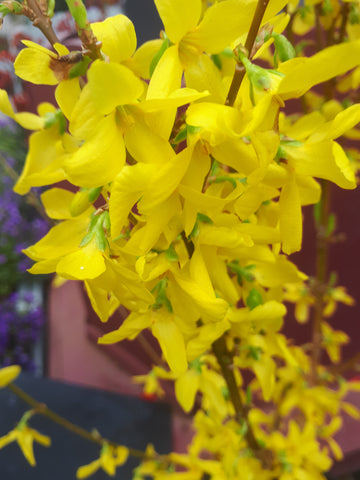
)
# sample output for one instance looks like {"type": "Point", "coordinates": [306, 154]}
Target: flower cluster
{"type": "Point", "coordinates": [191, 178]}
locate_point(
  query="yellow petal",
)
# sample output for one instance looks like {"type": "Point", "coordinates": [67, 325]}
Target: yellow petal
{"type": "Point", "coordinates": [25, 441]}
{"type": "Point", "coordinates": [303, 74]}
{"type": "Point", "coordinates": [8, 438]}
{"type": "Point", "coordinates": [67, 94]}
{"type": "Point", "coordinates": [130, 328]}
{"type": "Point", "coordinates": [278, 273]}
{"type": "Point", "coordinates": [85, 263]}
{"type": "Point", "coordinates": [226, 22]}
{"type": "Point", "coordinates": [111, 84]}
{"type": "Point", "coordinates": [87, 470]}
{"type": "Point", "coordinates": [39, 56]}
{"type": "Point", "coordinates": [171, 341]}
{"type": "Point", "coordinates": [141, 61]}
{"type": "Point", "coordinates": [117, 36]}
{"type": "Point", "coordinates": [40, 438]}
{"type": "Point", "coordinates": [57, 202]}
{"type": "Point", "coordinates": [9, 374]}
{"type": "Point", "coordinates": [62, 239]}
{"type": "Point", "coordinates": [103, 303]}
{"type": "Point", "coordinates": [186, 387]}
{"type": "Point", "coordinates": [290, 217]}
{"type": "Point", "coordinates": [125, 192]}
{"type": "Point", "coordinates": [223, 24]}
{"type": "Point", "coordinates": [100, 158]}
{"type": "Point", "coordinates": [27, 120]}
{"type": "Point", "coordinates": [264, 370]}
{"type": "Point", "coordinates": [165, 80]}
{"type": "Point", "coordinates": [178, 16]}
{"type": "Point", "coordinates": [331, 162]}
{"type": "Point", "coordinates": [43, 162]}
{"type": "Point", "coordinates": [204, 75]}
{"type": "Point", "coordinates": [343, 122]}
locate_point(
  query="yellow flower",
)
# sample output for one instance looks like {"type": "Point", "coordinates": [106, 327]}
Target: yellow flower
{"type": "Point", "coordinates": [110, 458]}
{"type": "Point", "coordinates": [332, 341]}
{"type": "Point", "coordinates": [25, 437]}
{"type": "Point", "coordinates": [51, 68]}
{"type": "Point", "coordinates": [9, 374]}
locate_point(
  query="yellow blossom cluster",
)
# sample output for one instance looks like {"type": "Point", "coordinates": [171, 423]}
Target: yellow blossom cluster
{"type": "Point", "coordinates": [189, 199]}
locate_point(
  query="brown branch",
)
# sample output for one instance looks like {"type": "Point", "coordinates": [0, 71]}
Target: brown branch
{"type": "Point", "coordinates": [225, 361]}
{"type": "Point", "coordinates": [42, 409]}
{"type": "Point", "coordinates": [322, 251]}
{"type": "Point", "coordinates": [41, 21]}
{"type": "Point", "coordinates": [188, 244]}
{"type": "Point", "coordinates": [345, 12]}
{"type": "Point", "coordinates": [147, 347]}
{"type": "Point", "coordinates": [249, 43]}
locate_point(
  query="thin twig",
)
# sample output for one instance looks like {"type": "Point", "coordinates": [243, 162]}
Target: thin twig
{"type": "Point", "coordinates": [225, 361]}
{"type": "Point", "coordinates": [249, 43]}
{"type": "Point", "coordinates": [42, 409]}
{"type": "Point", "coordinates": [322, 250]}
{"type": "Point", "coordinates": [42, 22]}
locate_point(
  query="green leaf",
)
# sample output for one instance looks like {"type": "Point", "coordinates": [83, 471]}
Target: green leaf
{"type": "Point", "coordinates": [171, 254]}
{"type": "Point", "coordinates": [254, 299]}
{"type": "Point", "coordinates": [164, 46]}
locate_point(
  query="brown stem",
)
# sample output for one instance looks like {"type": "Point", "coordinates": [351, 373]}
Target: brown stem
{"type": "Point", "coordinates": [249, 43]}
{"type": "Point", "coordinates": [345, 12]}
{"type": "Point", "coordinates": [188, 244]}
{"type": "Point", "coordinates": [318, 29]}
{"type": "Point", "coordinates": [42, 22]}
{"type": "Point", "coordinates": [322, 250]}
{"type": "Point", "coordinates": [225, 361]}
{"type": "Point", "coordinates": [150, 351]}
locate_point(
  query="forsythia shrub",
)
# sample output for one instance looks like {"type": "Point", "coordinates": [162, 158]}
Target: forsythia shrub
{"type": "Point", "coordinates": [199, 176]}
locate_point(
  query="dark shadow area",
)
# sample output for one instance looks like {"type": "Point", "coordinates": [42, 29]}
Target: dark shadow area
{"type": "Point", "coordinates": [127, 420]}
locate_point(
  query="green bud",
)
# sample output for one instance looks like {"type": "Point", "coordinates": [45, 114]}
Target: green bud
{"type": "Point", "coordinates": [80, 202]}
{"type": "Point", "coordinates": [204, 218]}
{"type": "Point", "coordinates": [94, 193]}
{"type": "Point", "coordinates": [50, 8]}
{"type": "Point", "coordinates": [53, 118]}
{"type": "Point", "coordinates": [78, 12]}
{"type": "Point", "coordinates": [283, 47]}
{"type": "Point", "coordinates": [254, 299]}
{"type": "Point", "coordinates": [217, 61]}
